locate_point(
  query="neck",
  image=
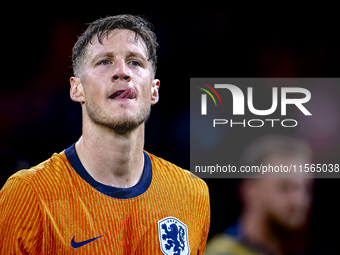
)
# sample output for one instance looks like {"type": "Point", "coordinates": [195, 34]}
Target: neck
{"type": "Point", "coordinates": [258, 230]}
{"type": "Point", "coordinates": [112, 158]}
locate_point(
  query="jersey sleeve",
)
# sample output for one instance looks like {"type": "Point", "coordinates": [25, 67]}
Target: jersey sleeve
{"type": "Point", "coordinates": [206, 224]}
{"type": "Point", "coordinates": [20, 221]}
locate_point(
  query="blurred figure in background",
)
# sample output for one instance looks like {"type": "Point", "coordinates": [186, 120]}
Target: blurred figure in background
{"type": "Point", "coordinates": [275, 211]}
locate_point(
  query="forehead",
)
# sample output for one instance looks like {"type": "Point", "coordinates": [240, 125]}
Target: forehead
{"type": "Point", "coordinates": [286, 159]}
{"type": "Point", "coordinates": [117, 41]}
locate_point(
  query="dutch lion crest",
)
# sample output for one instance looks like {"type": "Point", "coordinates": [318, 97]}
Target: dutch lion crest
{"type": "Point", "coordinates": [173, 236]}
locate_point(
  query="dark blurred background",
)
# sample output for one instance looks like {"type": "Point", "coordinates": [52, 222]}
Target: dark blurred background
{"type": "Point", "coordinates": [37, 117]}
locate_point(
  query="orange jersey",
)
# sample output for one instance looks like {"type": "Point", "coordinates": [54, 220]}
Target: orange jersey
{"type": "Point", "coordinates": [58, 208]}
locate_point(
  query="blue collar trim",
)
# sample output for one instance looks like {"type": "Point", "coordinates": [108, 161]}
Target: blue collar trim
{"type": "Point", "coordinates": [235, 230]}
{"type": "Point", "coordinates": [120, 193]}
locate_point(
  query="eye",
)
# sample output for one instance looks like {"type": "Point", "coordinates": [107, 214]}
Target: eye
{"type": "Point", "coordinates": [104, 62]}
{"type": "Point", "coordinates": [135, 63]}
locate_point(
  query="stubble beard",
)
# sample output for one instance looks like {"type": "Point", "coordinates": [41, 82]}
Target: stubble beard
{"type": "Point", "coordinates": [121, 123]}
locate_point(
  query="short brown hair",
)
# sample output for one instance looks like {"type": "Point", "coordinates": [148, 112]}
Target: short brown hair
{"type": "Point", "coordinates": [102, 27]}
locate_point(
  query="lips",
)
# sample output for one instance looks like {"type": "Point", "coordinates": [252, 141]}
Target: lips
{"type": "Point", "coordinates": [124, 94]}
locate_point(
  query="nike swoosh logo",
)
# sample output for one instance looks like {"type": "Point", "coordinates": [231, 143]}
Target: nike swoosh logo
{"type": "Point", "coordinates": [74, 244]}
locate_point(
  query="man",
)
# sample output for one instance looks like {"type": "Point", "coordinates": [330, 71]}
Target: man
{"type": "Point", "coordinates": [275, 208]}
{"type": "Point", "coordinates": [104, 194]}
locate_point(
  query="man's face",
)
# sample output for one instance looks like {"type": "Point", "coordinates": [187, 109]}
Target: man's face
{"type": "Point", "coordinates": [117, 82]}
{"type": "Point", "coordinates": [285, 201]}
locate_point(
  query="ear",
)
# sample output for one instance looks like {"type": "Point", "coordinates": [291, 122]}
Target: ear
{"type": "Point", "coordinates": [154, 91]}
{"type": "Point", "coordinates": [77, 90]}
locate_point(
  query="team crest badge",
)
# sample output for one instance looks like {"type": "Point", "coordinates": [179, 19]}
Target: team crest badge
{"type": "Point", "coordinates": [173, 236]}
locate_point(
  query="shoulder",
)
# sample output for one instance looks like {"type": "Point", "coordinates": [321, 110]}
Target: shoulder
{"type": "Point", "coordinates": [177, 176]}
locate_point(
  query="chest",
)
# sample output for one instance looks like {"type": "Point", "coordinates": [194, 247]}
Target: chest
{"type": "Point", "coordinates": [83, 223]}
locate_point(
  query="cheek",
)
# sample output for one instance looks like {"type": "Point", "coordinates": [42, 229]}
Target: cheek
{"type": "Point", "coordinates": [145, 96]}
{"type": "Point", "coordinates": [145, 88]}
{"type": "Point", "coordinates": [273, 201]}
{"type": "Point", "coordinates": [92, 87]}
{"type": "Point", "coordinates": [281, 206]}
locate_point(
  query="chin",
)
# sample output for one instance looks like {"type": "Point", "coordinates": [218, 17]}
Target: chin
{"type": "Point", "coordinates": [124, 126]}
{"type": "Point", "coordinates": [295, 225]}
{"type": "Point", "coordinates": [120, 120]}
{"type": "Point", "coordinates": [126, 122]}
{"type": "Point", "coordinates": [288, 223]}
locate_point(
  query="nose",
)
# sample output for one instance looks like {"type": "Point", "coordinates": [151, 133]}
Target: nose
{"type": "Point", "coordinates": [121, 72]}
{"type": "Point", "coordinates": [117, 77]}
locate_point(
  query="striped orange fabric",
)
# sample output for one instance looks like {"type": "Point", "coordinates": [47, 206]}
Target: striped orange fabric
{"type": "Point", "coordinates": [51, 209]}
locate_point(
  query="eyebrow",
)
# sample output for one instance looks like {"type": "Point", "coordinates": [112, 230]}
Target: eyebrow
{"type": "Point", "coordinates": [137, 54]}
{"type": "Point", "coordinates": [102, 55]}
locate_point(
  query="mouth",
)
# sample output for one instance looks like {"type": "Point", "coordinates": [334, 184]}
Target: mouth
{"type": "Point", "coordinates": [124, 94]}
